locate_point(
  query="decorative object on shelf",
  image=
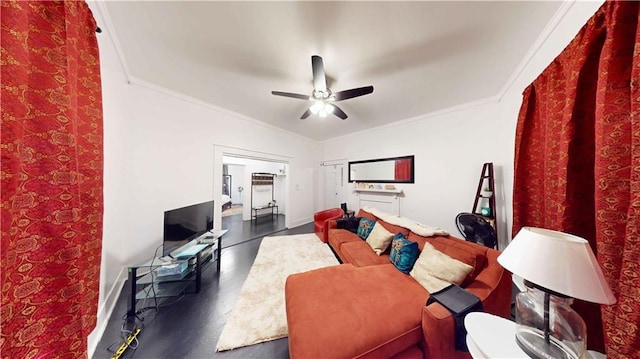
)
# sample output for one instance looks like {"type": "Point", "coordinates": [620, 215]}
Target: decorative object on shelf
{"type": "Point", "coordinates": [389, 186]}
{"type": "Point", "coordinates": [485, 210]}
{"type": "Point", "coordinates": [546, 326]}
{"type": "Point", "coordinates": [378, 190]}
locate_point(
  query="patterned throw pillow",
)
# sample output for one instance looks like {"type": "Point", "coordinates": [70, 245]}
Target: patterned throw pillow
{"type": "Point", "coordinates": [403, 253]}
{"type": "Point", "coordinates": [365, 227]}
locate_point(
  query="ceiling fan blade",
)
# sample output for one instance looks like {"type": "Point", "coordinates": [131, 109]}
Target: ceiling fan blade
{"type": "Point", "coordinates": [289, 94]}
{"type": "Point", "coordinates": [319, 80]}
{"type": "Point", "coordinates": [305, 114]}
{"type": "Point", "coordinates": [338, 112]}
{"type": "Point", "coordinates": [347, 94]}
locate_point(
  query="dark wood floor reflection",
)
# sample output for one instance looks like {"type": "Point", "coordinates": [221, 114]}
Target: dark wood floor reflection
{"type": "Point", "coordinates": [241, 231]}
{"type": "Point", "coordinates": [189, 326]}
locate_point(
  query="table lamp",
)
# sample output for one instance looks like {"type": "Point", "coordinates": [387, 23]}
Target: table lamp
{"type": "Point", "coordinates": [556, 267]}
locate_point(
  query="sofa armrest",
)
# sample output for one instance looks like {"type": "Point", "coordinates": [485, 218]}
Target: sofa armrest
{"type": "Point", "coordinates": [493, 286]}
{"type": "Point", "coordinates": [438, 330]}
{"type": "Point", "coordinates": [329, 224]}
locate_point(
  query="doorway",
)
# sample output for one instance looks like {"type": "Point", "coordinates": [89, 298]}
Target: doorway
{"type": "Point", "coordinates": [236, 166]}
{"type": "Point", "coordinates": [232, 188]}
{"type": "Point", "coordinates": [335, 186]}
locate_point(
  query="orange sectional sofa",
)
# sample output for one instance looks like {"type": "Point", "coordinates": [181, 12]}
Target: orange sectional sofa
{"type": "Point", "coordinates": [367, 308]}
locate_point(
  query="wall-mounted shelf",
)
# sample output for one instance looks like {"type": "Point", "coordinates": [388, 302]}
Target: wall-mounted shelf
{"type": "Point", "coordinates": [393, 191]}
{"type": "Point", "coordinates": [386, 200]}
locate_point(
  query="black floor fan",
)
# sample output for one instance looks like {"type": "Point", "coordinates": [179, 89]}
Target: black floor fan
{"type": "Point", "coordinates": [475, 228]}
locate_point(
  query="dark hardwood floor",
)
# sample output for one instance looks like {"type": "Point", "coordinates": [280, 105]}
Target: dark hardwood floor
{"type": "Point", "coordinates": [242, 231]}
{"type": "Point", "coordinates": [189, 326]}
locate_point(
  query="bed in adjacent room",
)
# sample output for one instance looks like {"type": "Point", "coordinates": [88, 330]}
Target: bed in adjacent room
{"type": "Point", "coordinates": [226, 202]}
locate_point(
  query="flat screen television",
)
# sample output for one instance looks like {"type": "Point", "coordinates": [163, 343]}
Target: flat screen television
{"type": "Point", "coordinates": [182, 225]}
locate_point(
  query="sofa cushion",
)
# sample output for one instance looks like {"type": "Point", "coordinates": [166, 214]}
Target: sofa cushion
{"type": "Point", "coordinates": [337, 237]}
{"type": "Point", "coordinates": [465, 255]}
{"type": "Point", "coordinates": [365, 227]}
{"type": "Point", "coordinates": [403, 253]}
{"type": "Point", "coordinates": [363, 213]}
{"type": "Point", "coordinates": [346, 312]}
{"type": "Point", "coordinates": [435, 270]}
{"type": "Point", "coordinates": [379, 238]}
{"type": "Point", "coordinates": [360, 254]}
{"type": "Point", "coordinates": [467, 252]}
{"type": "Point", "coordinates": [350, 224]}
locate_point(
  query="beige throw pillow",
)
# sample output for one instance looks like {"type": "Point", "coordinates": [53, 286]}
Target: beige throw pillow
{"type": "Point", "coordinates": [435, 270]}
{"type": "Point", "coordinates": [379, 238]}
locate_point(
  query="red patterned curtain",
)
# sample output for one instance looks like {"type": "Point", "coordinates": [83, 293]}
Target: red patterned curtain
{"type": "Point", "coordinates": [403, 170]}
{"type": "Point", "coordinates": [577, 163]}
{"type": "Point", "coordinates": [51, 202]}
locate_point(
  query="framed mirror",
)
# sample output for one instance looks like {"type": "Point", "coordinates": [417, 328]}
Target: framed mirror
{"type": "Point", "coordinates": [383, 170]}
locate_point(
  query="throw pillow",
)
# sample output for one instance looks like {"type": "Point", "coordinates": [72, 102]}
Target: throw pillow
{"type": "Point", "coordinates": [365, 227]}
{"type": "Point", "coordinates": [403, 253]}
{"type": "Point", "coordinates": [435, 270]}
{"type": "Point", "coordinates": [379, 238]}
{"type": "Point", "coordinates": [350, 224]}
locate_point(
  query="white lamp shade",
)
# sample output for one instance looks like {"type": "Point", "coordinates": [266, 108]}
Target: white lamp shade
{"type": "Point", "coordinates": [558, 261]}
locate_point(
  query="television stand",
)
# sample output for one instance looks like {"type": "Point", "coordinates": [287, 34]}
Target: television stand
{"type": "Point", "coordinates": [172, 285]}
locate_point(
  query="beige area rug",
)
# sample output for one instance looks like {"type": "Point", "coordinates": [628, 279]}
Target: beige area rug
{"type": "Point", "coordinates": [234, 209]}
{"type": "Point", "coordinates": [259, 314]}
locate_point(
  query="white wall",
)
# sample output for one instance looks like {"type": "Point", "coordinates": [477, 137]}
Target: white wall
{"type": "Point", "coordinates": [449, 152]}
{"type": "Point", "coordinates": [451, 146]}
{"type": "Point", "coordinates": [159, 151]}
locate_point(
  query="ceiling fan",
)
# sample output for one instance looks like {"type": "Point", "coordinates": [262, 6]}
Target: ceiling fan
{"type": "Point", "coordinates": [323, 98]}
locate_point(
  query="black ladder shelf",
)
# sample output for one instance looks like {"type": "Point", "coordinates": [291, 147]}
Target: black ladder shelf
{"type": "Point", "coordinates": [485, 202]}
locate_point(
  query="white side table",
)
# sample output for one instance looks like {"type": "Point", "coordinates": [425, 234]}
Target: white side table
{"type": "Point", "coordinates": [490, 336]}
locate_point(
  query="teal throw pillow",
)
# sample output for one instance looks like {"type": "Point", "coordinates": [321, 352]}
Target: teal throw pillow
{"type": "Point", "coordinates": [403, 253]}
{"type": "Point", "coordinates": [365, 227]}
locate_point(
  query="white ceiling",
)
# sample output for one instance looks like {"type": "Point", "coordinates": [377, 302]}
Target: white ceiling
{"type": "Point", "coordinates": [420, 57]}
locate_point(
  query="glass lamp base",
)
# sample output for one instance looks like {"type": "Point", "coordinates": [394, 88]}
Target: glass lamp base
{"type": "Point", "coordinates": [532, 342]}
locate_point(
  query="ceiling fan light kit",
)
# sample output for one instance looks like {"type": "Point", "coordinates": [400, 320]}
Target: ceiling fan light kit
{"type": "Point", "coordinates": [322, 96]}
{"type": "Point", "coordinates": [321, 108]}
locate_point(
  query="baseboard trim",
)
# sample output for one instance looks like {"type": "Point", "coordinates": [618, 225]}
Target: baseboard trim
{"type": "Point", "coordinates": [299, 222]}
{"type": "Point", "coordinates": [104, 313]}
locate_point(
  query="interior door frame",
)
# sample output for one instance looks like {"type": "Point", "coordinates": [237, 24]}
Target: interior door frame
{"type": "Point", "coordinates": [343, 163]}
{"type": "Point", "coordinates": [220, 151]}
